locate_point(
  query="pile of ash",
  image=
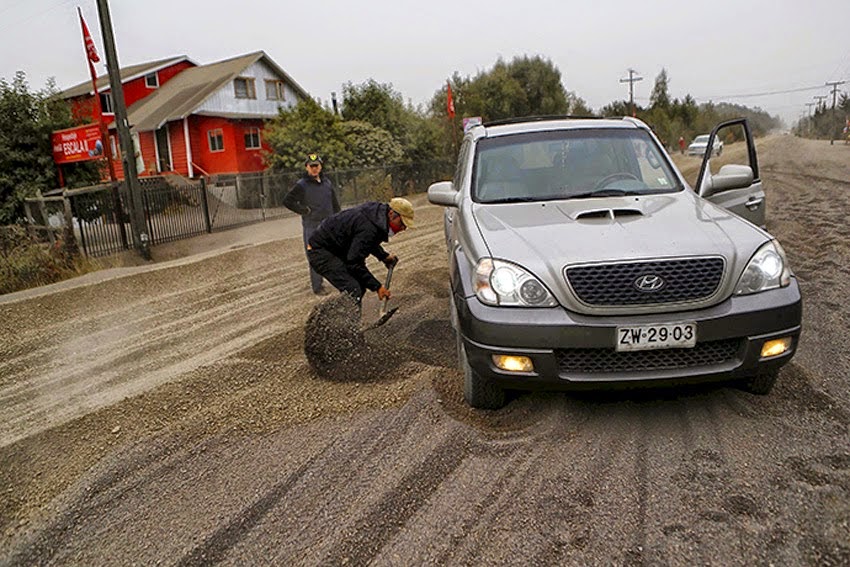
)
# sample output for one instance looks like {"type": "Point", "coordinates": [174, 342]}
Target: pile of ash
{"type": "Point", "coordinates": [335, 345]}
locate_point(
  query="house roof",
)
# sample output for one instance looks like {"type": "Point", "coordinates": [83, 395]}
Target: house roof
{"type": "Point", "coordinates": [127, 74]}
{"type": "Point", "coordinates": [183, 94]}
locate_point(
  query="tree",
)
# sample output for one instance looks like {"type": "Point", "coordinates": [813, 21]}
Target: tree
{"type": "Point", "coordinates": [381, 106]}
{"type": "Point", "coordinates": [823, 123]}
{"type": "Point", "coordinates": [370, 145]}
{"type": "Point", "coordinates": [617, 108]}
{"type": "Point", "coordinates": [26, 158]}
{"type": "Point", "coordinates": [309, 128]}
{"type": "Point", "coordinates": [378, 104]}
{"type": "Point", "coordinates": [303, 129]}
{"type": "Point", "coordinates": [526, 86]}
{"type": "Point", "coordinates": [578, 107]}
{"type": "Point", "coordinates": [660, 98]}
{"type": "Point", "coordinates": [686, 111]}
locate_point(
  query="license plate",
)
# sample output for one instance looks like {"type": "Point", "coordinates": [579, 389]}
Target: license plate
{"type": "Point", "coordinates": [678, 335]}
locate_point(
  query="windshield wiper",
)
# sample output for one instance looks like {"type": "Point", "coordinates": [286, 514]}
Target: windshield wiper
{"type": "Point", "coordinates": [511, 200]}
{"type": "Point", "coordinates": [604, 193]}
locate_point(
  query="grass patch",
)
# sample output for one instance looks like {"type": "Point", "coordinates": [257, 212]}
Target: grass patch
{"type": "Point", "coordinates": [25, 263]}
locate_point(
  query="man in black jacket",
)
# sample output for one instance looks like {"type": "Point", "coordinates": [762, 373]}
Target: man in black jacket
{"type": "Point", "coordinates": [313, 198]}
{"type": "Point", "coordinates": [339, 247]}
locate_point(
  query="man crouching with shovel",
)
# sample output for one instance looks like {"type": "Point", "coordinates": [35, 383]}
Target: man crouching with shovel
{"type": "Point", "coordinates": [339, 247]}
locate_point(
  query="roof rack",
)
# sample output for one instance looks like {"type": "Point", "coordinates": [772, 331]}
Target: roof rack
{"type": "Point", "coordinates": [520, 119]}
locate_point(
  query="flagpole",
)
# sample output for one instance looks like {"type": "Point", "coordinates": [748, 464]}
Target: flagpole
{"type": "Point", "coordinates": [97, 113]}
{"type": "Point", "coordinates": [92, 58]}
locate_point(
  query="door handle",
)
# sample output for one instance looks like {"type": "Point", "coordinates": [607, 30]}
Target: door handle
{"type": "Point", "coordinates": [754, 203]}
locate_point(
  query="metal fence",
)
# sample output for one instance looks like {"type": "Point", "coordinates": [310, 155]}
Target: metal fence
{"type": "Point", "coordinates": [100, 220]}
{"type": "Point", "coordinates": [174, 208]}
{"type": "Point", "coordinates": [178, 208]}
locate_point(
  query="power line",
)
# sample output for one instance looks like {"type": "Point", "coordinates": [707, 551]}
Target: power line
{"type": "Point", "coordinates": [768, 93]}
{"type": "Point", "coordinates": [751, 95]}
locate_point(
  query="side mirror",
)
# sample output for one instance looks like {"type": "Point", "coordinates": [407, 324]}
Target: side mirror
{"type": "Point", "coordinates": [443, 193]}
{"type": "Point", "coordinates": [729, 177]}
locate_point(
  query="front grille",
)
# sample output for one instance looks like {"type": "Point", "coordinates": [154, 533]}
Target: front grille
{"type": "Point", "coordinates": [689, 279]}
{"type": "Point", "coordinates": [602, 360]}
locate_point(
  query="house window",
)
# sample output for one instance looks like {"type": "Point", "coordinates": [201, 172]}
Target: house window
{"type": "Point", "coordinates": [252, 139]}
{"type": "Point", "coordinates": [275, 90]}
{"type": "Point", "coordinates": [106, 103]}
{"type": "Point", "coordinates": [216, 140]}
{"type": "Point", "coordinates": [244, 88]}
{"type": "Point", "coordinates": [152, 80]}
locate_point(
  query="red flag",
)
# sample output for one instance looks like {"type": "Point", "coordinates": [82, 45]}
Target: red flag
{"type": "Point", "coordinates": [97, 111]}
{"type": "Point", "coordinates": [91, 51]}
{"type": "Point", "coordinates": [91, 55]}
{"type": "Point", "coordinates": [450, 103]}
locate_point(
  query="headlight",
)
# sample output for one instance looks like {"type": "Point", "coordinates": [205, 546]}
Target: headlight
{"type": "Point", "coordinates": [768, 269]}
{"type": "Point", "coordinates": [497, 282]}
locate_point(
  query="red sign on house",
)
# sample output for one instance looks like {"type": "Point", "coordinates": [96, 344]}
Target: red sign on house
{"type": "Point", "coordinates": [81, 143]}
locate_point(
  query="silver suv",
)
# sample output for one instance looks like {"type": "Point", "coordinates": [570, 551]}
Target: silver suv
{"type": "Point", "coordinates": [580, 257]}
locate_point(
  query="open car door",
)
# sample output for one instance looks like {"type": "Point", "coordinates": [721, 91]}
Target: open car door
{"type": "Point", "coordinates": [732, 180]}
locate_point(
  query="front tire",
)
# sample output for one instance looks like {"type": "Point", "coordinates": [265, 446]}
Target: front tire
{"type": "Point", "coordinates": [762, 383]}
{"type": "Point", "coordinates": [478, 391]}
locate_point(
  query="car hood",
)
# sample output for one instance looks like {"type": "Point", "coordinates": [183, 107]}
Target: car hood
{"type": "Point", "coordinates": [545, 237]}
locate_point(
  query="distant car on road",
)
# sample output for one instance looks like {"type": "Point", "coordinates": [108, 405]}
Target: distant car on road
{"type": "Point", "coordinates": [697, 147]}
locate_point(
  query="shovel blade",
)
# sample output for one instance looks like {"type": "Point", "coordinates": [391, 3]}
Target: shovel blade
{"type": "Point", "coordinates": [384, 318]}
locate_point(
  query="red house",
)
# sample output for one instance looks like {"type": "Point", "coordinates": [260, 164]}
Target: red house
{"type": "Point", "coordinates": [195, 119]}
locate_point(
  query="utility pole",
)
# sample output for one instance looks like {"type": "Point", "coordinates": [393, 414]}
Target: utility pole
{"type": "Point", "coordinates": [632, 80]}
{"type": "Point", "coordinates": [141, 239]}
{"type": "Point", "coordinates": [834, 85]}
{"type": "Point", "coordinates": [809, 128]}
{"type": "Point", "coordinates": [818, 106]}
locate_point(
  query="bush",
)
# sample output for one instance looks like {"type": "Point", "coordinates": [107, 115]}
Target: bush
{"type": "Point", "coordinates": [25, 263]}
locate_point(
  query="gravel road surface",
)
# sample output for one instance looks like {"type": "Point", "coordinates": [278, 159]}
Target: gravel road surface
{"type": "Point", "coordinates": [170, 417]}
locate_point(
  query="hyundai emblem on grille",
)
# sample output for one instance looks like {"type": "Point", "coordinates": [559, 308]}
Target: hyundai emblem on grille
{"type": "Point", "coordinates": [649, 283]}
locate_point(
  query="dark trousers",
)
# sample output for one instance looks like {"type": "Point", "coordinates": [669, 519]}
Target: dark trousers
{"type": "Point", "coordinates": [332, 268]}
{"type": "Point", "coordinates": [308, 228]}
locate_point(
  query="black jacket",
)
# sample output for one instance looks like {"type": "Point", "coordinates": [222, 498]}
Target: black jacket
{"type": "Point", "coordinates": [353, 235]}
{"type": "Point", "coordinates": [313, 200]}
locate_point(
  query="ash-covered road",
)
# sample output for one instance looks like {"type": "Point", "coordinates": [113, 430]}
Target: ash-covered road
{"type": "Point", "coordinates": [170, 417]}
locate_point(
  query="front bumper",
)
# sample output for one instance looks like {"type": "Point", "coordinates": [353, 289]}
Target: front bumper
{"type": "Point", "coordinates": [573, 351]}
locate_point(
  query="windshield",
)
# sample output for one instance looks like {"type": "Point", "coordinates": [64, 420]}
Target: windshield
{"type": "Point", "coordinates": [701, 140]}
{"type": "Point", "coordinates": [569, 164]}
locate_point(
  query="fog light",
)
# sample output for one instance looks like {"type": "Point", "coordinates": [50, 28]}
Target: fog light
{"type": "Point", "coordinates": [775, 347]}
{"type": "Point", "coordinates": [513, 363]}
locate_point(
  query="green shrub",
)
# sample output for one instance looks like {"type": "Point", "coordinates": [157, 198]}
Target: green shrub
{"type": "Point", "coordinates": [25, 263]}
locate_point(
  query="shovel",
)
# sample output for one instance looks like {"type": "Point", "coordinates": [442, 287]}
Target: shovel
{"type": "Point", "coordinates": [385, 315]}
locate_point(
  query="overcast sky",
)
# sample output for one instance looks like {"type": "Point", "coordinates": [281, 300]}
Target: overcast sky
{"type": "Point", "coordinates": [723, 50]}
